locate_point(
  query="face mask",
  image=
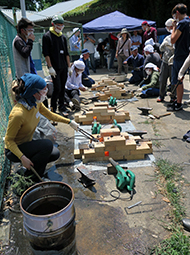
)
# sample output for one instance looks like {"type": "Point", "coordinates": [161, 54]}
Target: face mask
{"type": "Point", "coordinates": [145, 54]}
{"type": "Point", "coordinates": [147, 28]}
{"type": "Point", "coordinates": [143, 28]}
{"type": "Point", "coordinates": [176, 19]}
{"type": "Point", "coordinates": [42, 98]}
{"type": "Point", "coordinates": [58, 29]}
{"type": "Point", "coordinates": [148, 71]}
{"type": "Point", "coordinates": [79, 72]}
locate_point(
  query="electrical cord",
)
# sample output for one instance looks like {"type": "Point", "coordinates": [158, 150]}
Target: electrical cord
{"type": "Point", "coordinates": [107, 201]}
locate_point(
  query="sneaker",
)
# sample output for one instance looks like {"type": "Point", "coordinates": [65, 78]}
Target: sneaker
{"type": "Point", "coordinates": [188, 140]}
{"type": "Point", "coordinates": [63, 111]}
{"type": "Point", "coordinates": [172, 102]}
{"type": "Point", "coordinates": [160, 99]}
{"type": "Point", "coordinates": [187, 135]}
{"type": "Point", "coordinates": [71, 105]}
{"type": "Point", "coordinates": [175, 107]}
{"type": "Point", "coordinates": [187, 102]}
{"type": "Point", "coordinates": [76, 103]}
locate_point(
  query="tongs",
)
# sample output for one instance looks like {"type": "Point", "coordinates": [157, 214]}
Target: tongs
{"type": "Point", "coordinates": [88, 135]}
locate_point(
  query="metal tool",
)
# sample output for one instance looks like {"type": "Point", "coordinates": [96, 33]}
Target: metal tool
{"type": "Point", "coordinates": [175, 87]}
{"type": "Point", "coordinates": [162, 115]}
{"type": "Point", "coordinates": [84, 179]}
{"type": "Point", "coordinates": [88, 135]}
{"type": "Point", "coordinates": [121, 105]}
{"type": "Point", "coordinates": [145, 110]}
{"type": "Point", "coordinates": [131, 206]}
{"type": "Point", "coordinates": [124, 179]}
{"type": "Point", "coordinates": [116, 125]}
{"type": "Point", "coordinates": [34, 171]}
{"type": "Point", "coordinates": [137, 133]}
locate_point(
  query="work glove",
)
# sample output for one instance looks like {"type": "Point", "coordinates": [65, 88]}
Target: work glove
{"type": "Point", "coordinates": [69, 71]}
{"type": "Point", "coordinates": [52, 71]}
{"type": "Point", "coordinates": [139, 89]}
{"type": "Point", "coordinates": [74, 125]}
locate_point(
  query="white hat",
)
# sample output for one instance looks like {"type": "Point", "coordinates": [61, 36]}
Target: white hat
{"type": "Point", "coordinates": [169, 22]}
{"type": "Point", "coordinates": [75, 29]}
{"type": "Point", "coordinates": [151, 65]}
{"type": "Point", "coordinates": [149, 48]}
{"type": "Point", "coordinates": [149, 41]}
{"type": "Point", "coordinates": [79, 64]}
{"type": "Point", "coordinates": [100, 40]}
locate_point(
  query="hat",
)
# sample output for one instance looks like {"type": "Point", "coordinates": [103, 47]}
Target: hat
{"type": "Point", "coordinates": [57, 19]}
{"type": "Point", "coordinates": [75, 29]}
{"type": "Point", "coordinates": [149, 48]}
{"type": "Point", "coordinates": [79, 64]}
{"type": "Point", "coordinates": [151, 65]}
{"type": "Point", "coordinates": [149, 41]}
{"type": "Point", "coordinates": [134, 47]}
{"type": "Point", "coordinates": [100, 40]}
{"type": "Point", "coordinates": [124, 31]}
{"type": "Point", "coordinates": [33, 83]}
{"type": "Point", "coordinates": [144, 23]}
{"type": "Point", "coordinates": [84, 51]}
{"type": "Point", "coordinates": [169, 22]}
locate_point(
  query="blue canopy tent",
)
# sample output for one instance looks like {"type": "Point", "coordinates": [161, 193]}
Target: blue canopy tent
{"type": "Point", "coordinates": [114, 22]}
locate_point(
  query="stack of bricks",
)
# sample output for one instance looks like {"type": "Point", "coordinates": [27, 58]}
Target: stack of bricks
{"type": "Point", "coordinates": [120, 146]}
{"type": "Point", "coordinates": [104, 114]}
{"type": "Point", "coordinates": [106, 83]}
{"type": "Point", "coordinates": [115, 91]}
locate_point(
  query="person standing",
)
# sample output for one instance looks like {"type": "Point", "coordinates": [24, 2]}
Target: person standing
{"type": "Point", "coordinates": [55, 51]}
{"type": "Point", "coordinates": [168, 50]}
{"type": "Point", "coordinates": [149, 32]}
{"type": "Point", "coordinates": [22, 46]}
{"type": "Point", "coordinates": [75, 43]}
{"type": "Point", "coordinates": [89, 42]}
{"type": "Point", "coordinates": [136, 39]}
{"type": "Point", "coordinates": [112, 39]}
{"type": "Point", "coordinates": [180, 37]}
{"type": "Point", "coordinates": [123, 50]}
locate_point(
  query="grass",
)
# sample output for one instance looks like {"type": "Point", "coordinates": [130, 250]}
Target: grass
{"type": "Point", "coordinates": [169, 181]}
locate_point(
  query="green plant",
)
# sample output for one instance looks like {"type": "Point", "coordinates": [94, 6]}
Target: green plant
{"type": "Point", "coordinates": [19, 183]}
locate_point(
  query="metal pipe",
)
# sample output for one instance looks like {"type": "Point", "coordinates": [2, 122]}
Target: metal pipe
{"type": "Point", "coordinates": [23, 8]}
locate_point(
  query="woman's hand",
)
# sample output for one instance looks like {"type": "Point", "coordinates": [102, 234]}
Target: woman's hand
{"type": "Point", "coordinates": [26, 162]}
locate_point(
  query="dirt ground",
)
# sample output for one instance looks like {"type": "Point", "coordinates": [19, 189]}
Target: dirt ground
{"type": "Point", "coordinates": [105, 226]}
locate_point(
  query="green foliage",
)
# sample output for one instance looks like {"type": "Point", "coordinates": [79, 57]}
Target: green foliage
{"type": "Point", "coordinates": [20, 183]}
{"type": "Point", "coordinates": [177, 244]}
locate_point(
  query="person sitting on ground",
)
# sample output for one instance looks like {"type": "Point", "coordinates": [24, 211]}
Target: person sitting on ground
{"type": "Point", "coordinates": [151, 56]}
{"type": "Point", "coordinates": [86, 80]}
{"type": "Point", "coordinates": [137, 61]}
{"type": "Point", "coordinates": [156, 45]}
{"type": "Point", "coordinates": [152, 88]}
{"type": "Point", "coordinates": [23, 120]}
{"type": "Point", "coordinates": [74, 84]}
{"type": "Point", "coordinates": [166, 67]}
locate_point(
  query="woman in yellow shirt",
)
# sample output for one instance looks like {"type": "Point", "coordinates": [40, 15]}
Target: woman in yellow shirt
{"type": "Point", "coordinates": [23, 120]}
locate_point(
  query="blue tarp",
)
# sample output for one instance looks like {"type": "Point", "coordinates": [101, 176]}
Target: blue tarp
{"type": "Point", "coordinates": [114, 22]}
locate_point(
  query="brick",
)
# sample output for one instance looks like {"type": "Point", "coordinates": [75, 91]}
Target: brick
{"type": "Point", "coordinates": [109, 132]}
{"type": "Point", "coordinates": [100, 109]}
{"type": "Point", "coordinates": [114, 141]}
{"type": "Point", "coordinates": [125, 134]}
{"type": "Point", "coordinates": [77, 154]}
{"type": "Point", "coordinates": [101, 104]}
{"type": "Point", "coordinates": [130, 144]}
{"type": "Point", "coordinates": [99, 147]}
{"type": "Point", "coordinates": [110, 147]}
{"type": "Point", "coordinates": [135, 157]}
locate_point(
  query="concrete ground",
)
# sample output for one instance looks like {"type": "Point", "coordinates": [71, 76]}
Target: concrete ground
{"type": "Point", "coordinates": [105, 225]}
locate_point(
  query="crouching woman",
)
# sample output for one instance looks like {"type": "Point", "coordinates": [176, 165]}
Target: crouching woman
{"type": "Point", "coordinates": [23, 119]}
{"type": "Point", "coordinates": [152, 88]}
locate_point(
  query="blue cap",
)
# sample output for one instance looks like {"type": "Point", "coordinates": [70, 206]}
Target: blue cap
{"type": "Point", "coordinates": [134, 47]}
{"type": "Point", "coordinates": [84, 51]}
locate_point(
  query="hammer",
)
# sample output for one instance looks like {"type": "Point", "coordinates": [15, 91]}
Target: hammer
{"type": "Point", "coordinates": [162, 115]}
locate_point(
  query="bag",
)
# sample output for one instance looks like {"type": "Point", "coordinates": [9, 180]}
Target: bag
{"type": "Point", "coordinates": [45, 130]}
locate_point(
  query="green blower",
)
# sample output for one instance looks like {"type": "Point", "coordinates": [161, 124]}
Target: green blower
{"type": "Point", "coordinates": [124, 179]}
{"type": "Point", "coordinates": [112, 101]}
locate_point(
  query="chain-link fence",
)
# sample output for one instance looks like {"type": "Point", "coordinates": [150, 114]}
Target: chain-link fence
{"type": "Point", "coordinates": [7, 72]}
